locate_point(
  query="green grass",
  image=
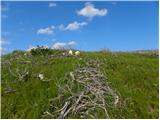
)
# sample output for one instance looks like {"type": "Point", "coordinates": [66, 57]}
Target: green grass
{"type": "Point", "coordinates": [133, 76]}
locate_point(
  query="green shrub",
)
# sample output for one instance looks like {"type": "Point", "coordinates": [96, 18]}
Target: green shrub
{"type": "Point", "coordinates": [41, 50]}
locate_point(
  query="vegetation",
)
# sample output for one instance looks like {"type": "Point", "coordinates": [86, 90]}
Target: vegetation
{"type": "Point", "coordinates": [134, 78]}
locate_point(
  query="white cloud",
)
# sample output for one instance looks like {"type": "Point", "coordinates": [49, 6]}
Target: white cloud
{"type": "Point", "coordinates": [63, 45]}
{"type": "Point", "coordinates": [48, 30]}
{"type": "Point", "coordinates": [4, 42]}
{"type": "Point", "coordinates": [90, 11]}
{"type": "Point", "coordinates": [72, 43]}
{"type": "Point", "coordinates": [75, 25]}
{"type": "Point", "coordinates": [52, 5]}
{"type": "Point", "coordinates": [59, 45]}
{"type": "Point", "coordinates": [72, 26]}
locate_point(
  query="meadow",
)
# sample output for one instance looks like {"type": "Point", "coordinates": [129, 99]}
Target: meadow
{"type": "Point", "coordinates": [134, 77]}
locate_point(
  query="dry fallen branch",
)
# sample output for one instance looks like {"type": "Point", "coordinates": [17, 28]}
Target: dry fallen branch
{"type": "Point", "coordinates": [92, 93]}
{"type": "Point", "coordinates": [63, 110]}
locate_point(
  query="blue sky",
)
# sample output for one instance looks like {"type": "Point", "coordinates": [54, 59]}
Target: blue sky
{"type": "Point", "coordinates": [89, 26]}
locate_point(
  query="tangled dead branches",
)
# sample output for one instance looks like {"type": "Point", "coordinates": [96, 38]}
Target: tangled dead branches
{"type": "Point", "coordinates": [88, 93]}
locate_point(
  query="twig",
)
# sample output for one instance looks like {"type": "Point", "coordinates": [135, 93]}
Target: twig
{"type": "Point", "coordinates": [63, 110]}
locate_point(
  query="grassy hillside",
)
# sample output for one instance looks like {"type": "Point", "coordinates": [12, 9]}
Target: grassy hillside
{"type": "Point", "coordinates": [133, 77]}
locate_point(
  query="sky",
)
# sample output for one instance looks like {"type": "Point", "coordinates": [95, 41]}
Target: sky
{"type": "Point", "coordinates": [88, 26]}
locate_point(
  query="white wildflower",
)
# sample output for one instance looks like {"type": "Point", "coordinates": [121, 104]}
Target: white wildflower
{"type": "Point", "coordinates": [41, 76]}
{"type": "Point", "coordinates": [70, 52]}
{"type": "Point", "coordinates": [77, 53]}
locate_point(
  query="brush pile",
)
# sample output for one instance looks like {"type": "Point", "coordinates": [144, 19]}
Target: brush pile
{"type": "Point", "coordinates": [88, 94]}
